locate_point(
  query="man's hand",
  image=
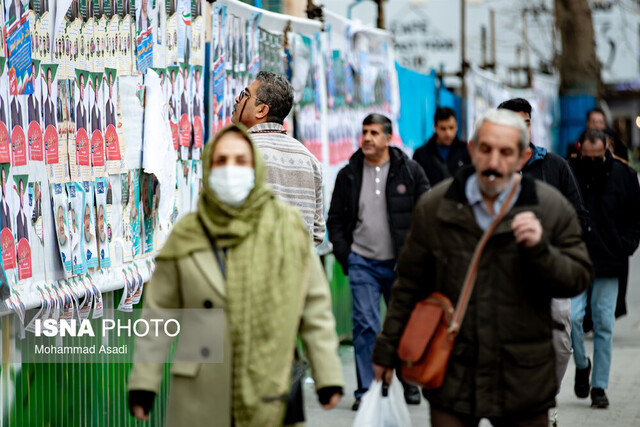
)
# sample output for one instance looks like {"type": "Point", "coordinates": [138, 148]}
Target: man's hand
{"type": "Point", "coordinates": [526, 229]}
{"type": "Point", "coordinates": [380, 372]}
{"type": "Point", "coordinates": [138, 412]}
{"type": "Point", "coordinates": [335, 399]}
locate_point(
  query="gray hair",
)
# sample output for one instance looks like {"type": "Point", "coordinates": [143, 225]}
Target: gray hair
{"type": "Point", "coordinates": [505, 118]}
{"type": "Point", "coordinates": [276, 92]}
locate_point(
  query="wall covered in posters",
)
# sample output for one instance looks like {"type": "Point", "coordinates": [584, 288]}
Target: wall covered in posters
{"type": "Point", "coordinates": [101, 129]}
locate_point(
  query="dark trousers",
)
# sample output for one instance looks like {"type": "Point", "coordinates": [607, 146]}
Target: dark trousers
{"type": "Point", "coordinates": [369, 279]}
{"type": "Point", "coordinates": [443, 418]}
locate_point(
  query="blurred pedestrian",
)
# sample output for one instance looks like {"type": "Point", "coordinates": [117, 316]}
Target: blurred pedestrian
{"type": "Point", "coordinates": [555, 171]}
{"type": "Point", "coordinates": [369, 217]}
{"type": "Point", "coordinates": [502, 366]}
{"type": "Point", "coordinates": [612, 197]}
{"type": "Point", "coordinates": [266, 277]}
{"type": "Point", "coordinates": [444, 153]}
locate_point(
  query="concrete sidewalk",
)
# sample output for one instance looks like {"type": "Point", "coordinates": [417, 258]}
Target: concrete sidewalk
{"type": "Point", "coordinates": [623, 392]}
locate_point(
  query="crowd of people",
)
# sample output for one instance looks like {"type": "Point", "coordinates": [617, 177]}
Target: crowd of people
{"type": "Point", "coordinates": [401, 229]}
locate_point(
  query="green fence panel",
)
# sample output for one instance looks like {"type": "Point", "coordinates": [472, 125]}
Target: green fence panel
{"type": "Point", "coordinates": [71, 394]}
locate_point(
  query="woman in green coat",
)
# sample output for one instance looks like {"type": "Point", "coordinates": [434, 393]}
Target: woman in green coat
{"type": "Point", "coordinates": [271, 287]}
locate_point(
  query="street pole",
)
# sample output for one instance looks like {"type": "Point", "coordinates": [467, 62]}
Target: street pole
{"type": "Point", "coordinates": [492, 23]}
{"type": "Point", "coordinates": [380, 4]}
{"type": "Point", "coordinates": [525, 46]}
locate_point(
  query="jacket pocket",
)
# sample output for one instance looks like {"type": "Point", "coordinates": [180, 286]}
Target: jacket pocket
{"type": "Point", "coordinates": [185, 369]}
{"type": "Point", "coordinates": [528, 376]}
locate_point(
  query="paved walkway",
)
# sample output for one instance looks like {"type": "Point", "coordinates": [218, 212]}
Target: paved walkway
{"type": "Point", "coordinates": [623, 392]}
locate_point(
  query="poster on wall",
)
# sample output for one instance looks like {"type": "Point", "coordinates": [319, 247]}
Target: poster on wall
{"type": "Point", "coordinates": [7, 241]}
{"type": "Point", "coordinates": [18, 46]}
{"type": "Point", "coordinates": [75, 193]}
{"type": "Point", "coordinates": [90, 252]}
{"type": "Point", "coordinates": [184, 122]}
{"type": "Point", "coordinates": [82, 151]}
{"type": "Point", "coordinates": [22, 222]}
{"type": "Point", "coordinates": [36, 228]}
{"type": "Point", "coordinates": [34, 117]}
{"type": "Point", "coordinates": [49, 113]}
{"type": "Point", "coordinates": [197, 83]}
{"type": "Point", "coordinates": [18, 135]}
{"type": "Point", "coordinates": [97, 125]}
{"type": "Point", "coordinates": [103, 206]}
{"type": "Point", "coordinates": [60, 210]}
{"type": "Point", "coordinates": [159, 33]}
{"type": "Point", "coordinates": [253, 43]}
{"type": "Point", "coordinates": [144, 36]}
{"type": "Point", "coordinates": [218, 47]}
{"type": "Point", "coordinates": [5, 127]}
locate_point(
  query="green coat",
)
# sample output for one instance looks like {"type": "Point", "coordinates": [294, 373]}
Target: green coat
{"type": "Point", "coordinates": [200, 393]}
{"type": "Point", "coordinates": [502, 361]}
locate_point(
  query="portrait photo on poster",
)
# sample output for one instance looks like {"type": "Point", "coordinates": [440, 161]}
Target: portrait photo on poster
{"type": "Point", "coordinates": [60, 204]}
{"type": "Point", "coordinates": [74, 215]}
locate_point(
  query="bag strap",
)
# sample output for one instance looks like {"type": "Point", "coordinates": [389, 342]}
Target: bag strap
{"type": "Point", "coordinates": [214, 247]}
{"type": "Point", "coordinates": [472, 272]}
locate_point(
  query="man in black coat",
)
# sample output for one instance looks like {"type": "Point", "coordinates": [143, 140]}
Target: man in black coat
{"type": "Point", "coordinates": [444, 153]}
{"type": "Point", "coordinates": [555, 171]}
{"type": "Point", "coordinates": [368, 220]}
{"type": "Point", "coordinates": [612, 196]}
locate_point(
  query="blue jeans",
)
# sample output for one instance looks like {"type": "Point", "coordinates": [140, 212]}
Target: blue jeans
{"type": "Point", "coordinates": [368, 279]}
{"type": "Point", "coordinates": [604, 293]}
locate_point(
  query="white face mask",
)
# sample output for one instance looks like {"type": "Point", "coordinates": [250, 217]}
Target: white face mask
{"type": "Point", "coordinates": [232, 184]}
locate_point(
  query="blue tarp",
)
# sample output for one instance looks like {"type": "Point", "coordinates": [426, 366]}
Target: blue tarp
{"type": "Point", "coordinates": [417, 106]}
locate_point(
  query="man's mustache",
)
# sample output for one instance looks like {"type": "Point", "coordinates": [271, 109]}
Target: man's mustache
{"type": "Point", "coordinates": [490, 172]}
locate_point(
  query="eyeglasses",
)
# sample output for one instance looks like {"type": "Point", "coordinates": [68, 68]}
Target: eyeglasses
{"type": "Point", "coordinates": [244, 92]}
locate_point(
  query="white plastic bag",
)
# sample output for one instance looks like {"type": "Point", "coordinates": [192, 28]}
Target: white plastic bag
{"type": "Point", "coordinates": [383, 411]}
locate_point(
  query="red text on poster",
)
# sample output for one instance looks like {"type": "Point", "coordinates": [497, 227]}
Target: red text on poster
{"type": "Point", "coordinates": [5, 144]}
{"type": "Point", "coordinates": [113, 143]}
{"type": "Point", "coordinates": [18, 147]}
{"type": "Point", "coordinates": [24, 259]}
{"type": "Point", "coordinates": [8, 249]}
{"type": "Point", "coordinates": [185, 131]}
{"type": "Point", "coordinates": [50, 145]}
{"type": "Point", "coordinates": [97, 149]}
{"type": "Point", "coordinates": [83, 148]}
{"type": "Point", "coordinates": [35, 141]}
{"type": "Point", "coordinates": [198, 134]}
{"type": "Point", "coordinates": [175, 135]}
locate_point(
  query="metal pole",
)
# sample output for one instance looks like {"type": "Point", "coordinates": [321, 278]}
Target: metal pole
{"type": "Point", "coordinates": [525, 46]}
{"type": "Point", "coordinates": [380, 4]}
{"type": "Point", "coordinates": [492, 23]}
{"type": "Point", "coordinates": [483, 42]}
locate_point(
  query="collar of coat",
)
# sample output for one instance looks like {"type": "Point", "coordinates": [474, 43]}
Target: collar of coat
{"type": "Point", "coordinates": [432, 146]}
{"type": "Point", "coordinates": [396, 158]}
{"type": "Point", "coordinates": [455, 207]}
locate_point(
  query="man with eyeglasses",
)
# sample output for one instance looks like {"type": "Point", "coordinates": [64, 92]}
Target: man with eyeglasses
{"type": "Point", "coordinates": [292, 171]}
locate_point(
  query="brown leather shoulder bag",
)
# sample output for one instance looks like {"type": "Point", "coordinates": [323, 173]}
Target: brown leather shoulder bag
{"type": "Point", "coordinates": [427, 341]}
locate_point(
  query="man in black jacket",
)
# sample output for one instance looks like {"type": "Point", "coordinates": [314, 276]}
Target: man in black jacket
{"type": "Point", "coordinates": [368, 220]}
{"type": "Point", "coordinates": [612, 197]}
{"type": "Point", "coordinates": [555, 171]}
{"type": "Point", "coordinates": [443, 154]}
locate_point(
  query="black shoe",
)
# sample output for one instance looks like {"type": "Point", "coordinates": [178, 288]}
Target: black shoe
{"type": "Point", "coordinates": [581, 386]}
{"type": "Point", "coordinates": [599, 398]}
{"type": "Point", "coordinates": [356, 405]}
{"type": "Point", "coordinates": [412, 395]}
